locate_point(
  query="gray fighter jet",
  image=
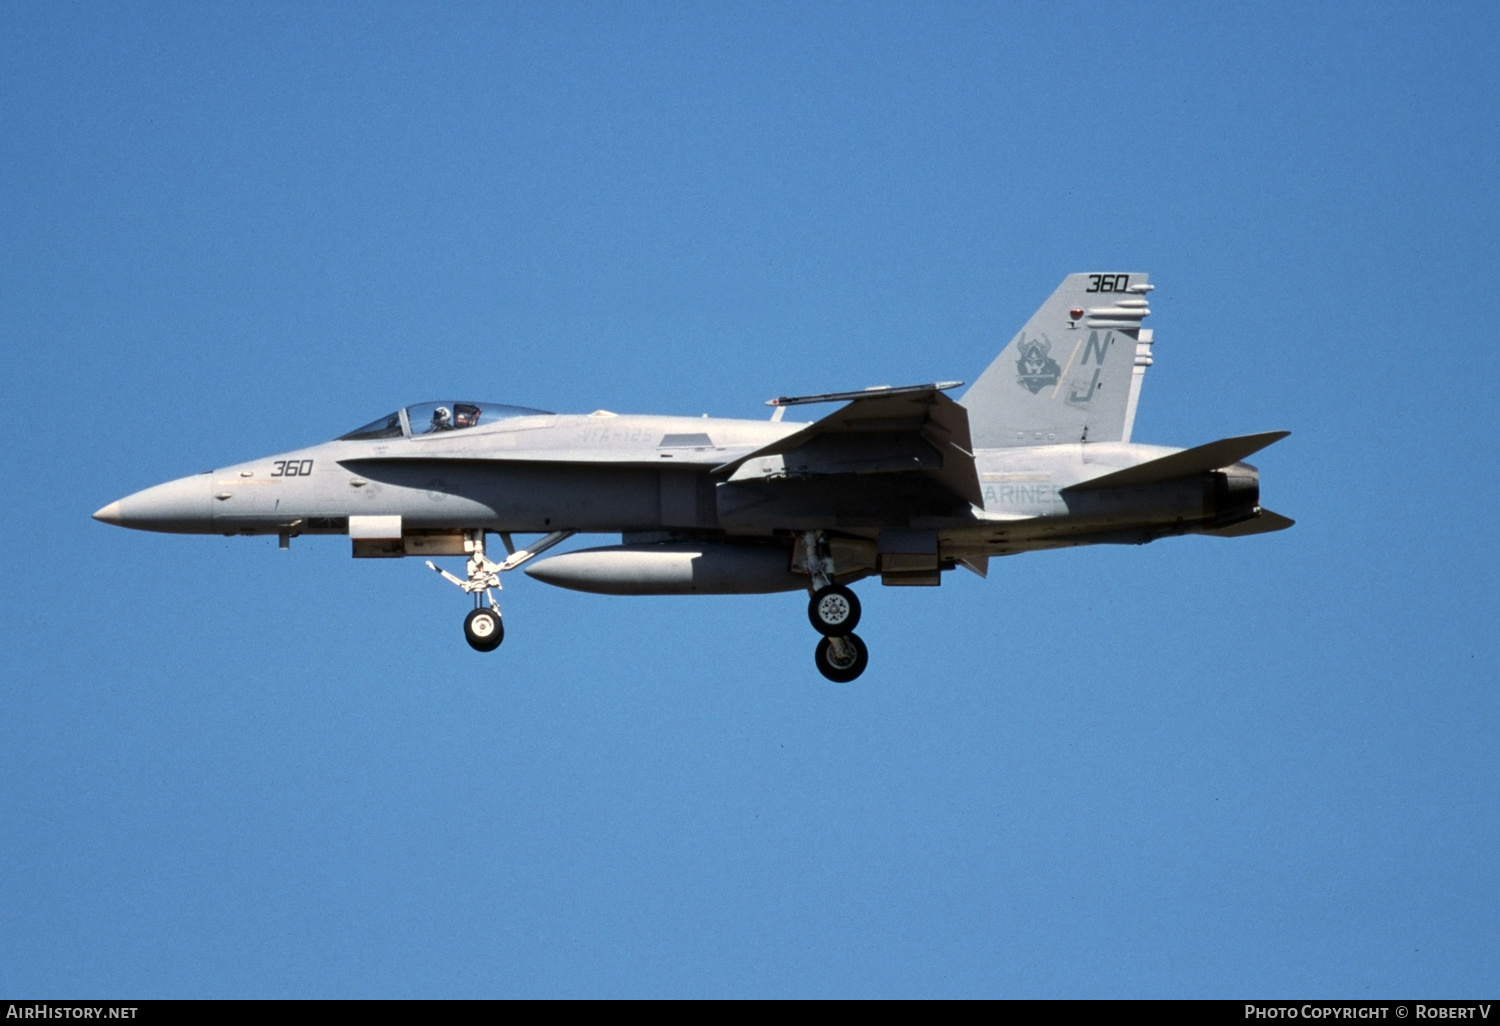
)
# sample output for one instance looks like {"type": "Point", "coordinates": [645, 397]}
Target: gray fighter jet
{"type": "Point", "coordinates": [901, 483]}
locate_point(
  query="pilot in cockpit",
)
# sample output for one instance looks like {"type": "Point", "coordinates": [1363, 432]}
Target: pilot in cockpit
{"type": "Point", "coordinates": [442, 420]}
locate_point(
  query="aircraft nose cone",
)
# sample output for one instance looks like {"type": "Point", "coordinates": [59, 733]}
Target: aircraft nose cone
{"type": "Point", "coordinates": [180, 507]}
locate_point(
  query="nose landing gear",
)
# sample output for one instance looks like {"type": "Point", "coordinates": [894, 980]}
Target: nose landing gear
{"type": "Point", "coordinates": [483, 629]}
{"type": "Point", "coordinates": [834, 612]}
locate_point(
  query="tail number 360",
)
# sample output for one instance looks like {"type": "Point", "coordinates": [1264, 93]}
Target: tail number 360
{"type": "Point", "coordinates": [1108, 283]}
{"type": "Point", "coordinates": [292, 468]}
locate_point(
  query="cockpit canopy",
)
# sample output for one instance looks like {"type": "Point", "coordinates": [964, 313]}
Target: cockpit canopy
{"type": "Point", "coordinates": [436, 417]}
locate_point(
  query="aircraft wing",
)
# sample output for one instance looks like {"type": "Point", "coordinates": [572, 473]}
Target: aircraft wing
{"type": "Point", "coordinates": [915, 439]}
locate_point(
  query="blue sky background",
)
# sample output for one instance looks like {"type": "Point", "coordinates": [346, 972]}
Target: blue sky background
{"type": "Point", "coordinates": [1196, 768]}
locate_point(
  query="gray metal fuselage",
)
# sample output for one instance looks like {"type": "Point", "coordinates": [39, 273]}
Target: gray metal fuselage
{"type": "Point", "coordinates": [905, 482]}
{"type": "Point", "coordinates": [643, 474]}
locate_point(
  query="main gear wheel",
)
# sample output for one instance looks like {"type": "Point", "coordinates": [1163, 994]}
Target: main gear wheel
{"type": "Point", "coordinates": [842, 659]}
{"type": "Point", "coordinates": [833, 610]}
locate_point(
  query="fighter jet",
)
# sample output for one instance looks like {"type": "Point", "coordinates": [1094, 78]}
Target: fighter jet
{"type": "Point", "coordinates": [900, 483]}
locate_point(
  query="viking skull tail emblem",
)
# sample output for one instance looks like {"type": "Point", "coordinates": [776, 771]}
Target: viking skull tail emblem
{"type": "Point", "coordinates": [1037, 368]}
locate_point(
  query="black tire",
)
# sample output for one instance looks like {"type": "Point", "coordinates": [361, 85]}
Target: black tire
{"type": "Point", "coordinates": [842, 674]}
{"type": "Point", "coordinates": [833, 611]}
{"type": "Point", "coordinates": [483, 630]}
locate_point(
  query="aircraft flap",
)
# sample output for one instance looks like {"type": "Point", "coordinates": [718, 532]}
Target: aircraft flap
{"type": "Point", "coordinates": [912, 432]}
{"type": "Point", "coordinates": [1198, 460]}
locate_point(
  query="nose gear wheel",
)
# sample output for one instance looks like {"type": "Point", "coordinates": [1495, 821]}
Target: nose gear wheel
{"type": "Point", "coordinates": [483, 629]}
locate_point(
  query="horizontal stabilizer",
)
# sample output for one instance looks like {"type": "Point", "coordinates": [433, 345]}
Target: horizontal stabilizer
{"type": "Point", "coordinates": [1262, 524]}
{"type": "Point", "coordinates": [1198, 460]}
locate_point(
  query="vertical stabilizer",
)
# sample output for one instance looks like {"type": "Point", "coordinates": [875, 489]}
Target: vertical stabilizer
{"type": "Point", "coordinates": [1069, 374]}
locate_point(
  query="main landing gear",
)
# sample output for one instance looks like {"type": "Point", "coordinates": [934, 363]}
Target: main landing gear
{"type": "Point", "coordinates": [483, 629]}
{"type": "Point", "coordinates": [834, 612]}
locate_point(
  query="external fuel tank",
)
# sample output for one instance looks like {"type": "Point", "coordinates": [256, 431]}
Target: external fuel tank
{"type": "Point", "coordinates": [673, 568]}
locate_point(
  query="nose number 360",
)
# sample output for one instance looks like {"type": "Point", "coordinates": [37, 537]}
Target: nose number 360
{"type": "Point", "coordinates": [292, 468]}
